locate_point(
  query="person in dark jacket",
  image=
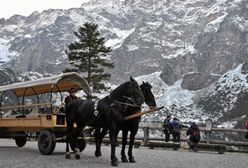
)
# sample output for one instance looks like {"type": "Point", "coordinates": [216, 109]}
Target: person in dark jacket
{"type": "Point", "coordinates": [71, 97]}
{"type": "Point", "coordinates": [176, 128]}
{"type": "Point", "coordinates": [167, 127]}
{"type": "Point", "coordinates": [194, 136]}
{"type": "Point", "coordinates": [176, 131]}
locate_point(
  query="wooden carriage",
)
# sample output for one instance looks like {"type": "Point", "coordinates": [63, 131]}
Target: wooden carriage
{"type": "Point", "coordinates": [43, 121]}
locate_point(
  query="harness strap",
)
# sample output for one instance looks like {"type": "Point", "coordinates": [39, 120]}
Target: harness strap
{"type": "Point", "coordinates": [126, 104]}
{"type": "Point", "coordinates": [96, 112]}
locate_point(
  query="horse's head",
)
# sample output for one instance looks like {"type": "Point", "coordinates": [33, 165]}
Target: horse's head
{"type": "Point", "coordinates": [146, 89]}
{"type": "Point", "coordinates": [134, 91]}
{"type": "Point", "coordinates": [128, 91]}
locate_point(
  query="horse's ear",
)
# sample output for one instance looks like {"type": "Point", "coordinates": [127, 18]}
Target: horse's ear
{"type": "Point", "coordinates": [143, 82]}
{"type": "Point", "coordinates": [131, 79]}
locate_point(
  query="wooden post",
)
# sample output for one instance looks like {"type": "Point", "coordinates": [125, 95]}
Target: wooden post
{"type": "Point", "coordinates": [146, 135]}
{"type": "Point", "coordinates": [208, 130]}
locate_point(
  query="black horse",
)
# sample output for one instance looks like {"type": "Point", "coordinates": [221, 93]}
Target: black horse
{"type": "Point", "coordinates": [106, 113]}
{"type": "Point", "coordinates": [129, 125]}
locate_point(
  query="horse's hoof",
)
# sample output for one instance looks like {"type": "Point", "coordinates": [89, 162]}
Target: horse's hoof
{"type": "Point", "coordinates": [77, 156]}
{"type": "Point", "coordinates": [124, 159]}
{"type": "Point", "coordinates": [68, 156]}
{"type": "Point", "coordinates": [98, 153]}
{"type": "Point", "coordinates": [114, 162]}
{"type": "Point", "coordinates": [132, 160]}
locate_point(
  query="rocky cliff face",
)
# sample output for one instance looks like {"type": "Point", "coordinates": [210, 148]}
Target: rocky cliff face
{"type": "Point", "coordinates": [191, 43]}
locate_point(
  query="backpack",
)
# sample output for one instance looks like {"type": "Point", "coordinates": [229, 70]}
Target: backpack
{"type": "Point", "coordinates": [196, 135]}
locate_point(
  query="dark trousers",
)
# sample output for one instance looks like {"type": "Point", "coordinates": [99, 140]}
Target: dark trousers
{"type": "Point", "coordinates": [176, 137]}
{"type": "Point", "coordinates": [192, 145]}
{"type": "Point", "coordinates": [167, 135]}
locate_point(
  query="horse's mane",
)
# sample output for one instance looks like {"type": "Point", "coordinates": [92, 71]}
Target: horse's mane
{"type": "Point", "coordinates": [118, 92]}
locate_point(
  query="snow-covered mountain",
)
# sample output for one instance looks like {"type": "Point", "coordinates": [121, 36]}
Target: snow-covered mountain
{"type": "Point", "coordinates": [192, 51]}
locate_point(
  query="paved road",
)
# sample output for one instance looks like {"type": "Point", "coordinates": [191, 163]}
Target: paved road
{"type": "Point", "coordinates": [29, 157]}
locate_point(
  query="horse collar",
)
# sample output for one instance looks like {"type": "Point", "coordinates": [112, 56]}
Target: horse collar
{"type": "Point", "coordinates": [96, 108]}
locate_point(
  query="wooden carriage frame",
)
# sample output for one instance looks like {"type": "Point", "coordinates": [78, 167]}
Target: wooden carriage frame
{"type": "Point", "coordinates": [49, 127]}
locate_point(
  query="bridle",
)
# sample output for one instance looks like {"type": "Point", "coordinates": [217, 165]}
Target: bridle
{"type": "Point", "coordinates": [122, 106]}
{"type": "Point", "coordinates": [146, 90]}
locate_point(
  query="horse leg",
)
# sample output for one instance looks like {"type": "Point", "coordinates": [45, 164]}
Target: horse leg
{"type": "Point", "coordinates": [131, 143]}
{"type": "Point", "coordinates": [69, 130]}
{"type": "Point", "coordinates": [124, 143]}
{"type": "Point", "coordinates": [76, 139]}
{"type": "Point", "coordinates": [99, 135]}
{"type": "Point", "coordinates": [97, 141]}
{"type": "Point", "coordinates": [112, 136]}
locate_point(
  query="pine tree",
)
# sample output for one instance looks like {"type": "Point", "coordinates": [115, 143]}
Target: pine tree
{"type": "Point", "coordinates": [88, 55]}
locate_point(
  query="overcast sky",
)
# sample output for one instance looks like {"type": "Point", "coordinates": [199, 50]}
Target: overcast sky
{"type": "Point", "coordinates": [26, 7]}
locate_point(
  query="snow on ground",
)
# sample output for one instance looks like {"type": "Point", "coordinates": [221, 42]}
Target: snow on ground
{"type": "Point", "coordinates": [230, 124]}
{"type": "Point", "coordinates": [132, 47]}
{"type": "Point", "coordinates": [76, 17]}
{"type": "Point", "coordinates": [4, 51]}
{"type": "Point", "coordinates": [167, 95]}
{"type": "Point", "coordinates": [233, 78]}
{"type": "Point", "coordinates": [172, 98]}
{"type": "Point", "coordinates": [189, 48]}
{"type": "Point", "coordinates": [240, 22]}
{"type": "Point", "coordinates": [176, 95]}
{"type": "Point", "coordinates": [121, 34]}
{"type": "Point", "coordinates": [214, 25]}
{"type": "Point", "coordinates": [158, 85]}
{"type": "Point", "coordinates": [232, 82]}
{"type": "Point", "coordinates": [34, 75]}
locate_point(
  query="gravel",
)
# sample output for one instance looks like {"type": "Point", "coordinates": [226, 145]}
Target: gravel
{"type": "Point", "coordinates": [29, 157]}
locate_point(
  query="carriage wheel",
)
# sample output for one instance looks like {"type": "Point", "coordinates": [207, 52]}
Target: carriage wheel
{"type": "Point", "coordinates": [82, 145]}
{"type": "Point", "coordinates": [21, 141]}
{"type": "Point", "coordinates": [46, 142]}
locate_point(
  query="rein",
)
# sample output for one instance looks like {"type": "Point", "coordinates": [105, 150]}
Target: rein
{"type": "Point", "coordinates": [127, 104]}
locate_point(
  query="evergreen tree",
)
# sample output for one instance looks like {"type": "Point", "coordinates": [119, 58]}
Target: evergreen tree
{"type": "Point", "coordinates": [88, 55]}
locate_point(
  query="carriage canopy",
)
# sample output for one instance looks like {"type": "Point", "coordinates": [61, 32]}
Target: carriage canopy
{"type": "Point", "coordinates": [59, 83]}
